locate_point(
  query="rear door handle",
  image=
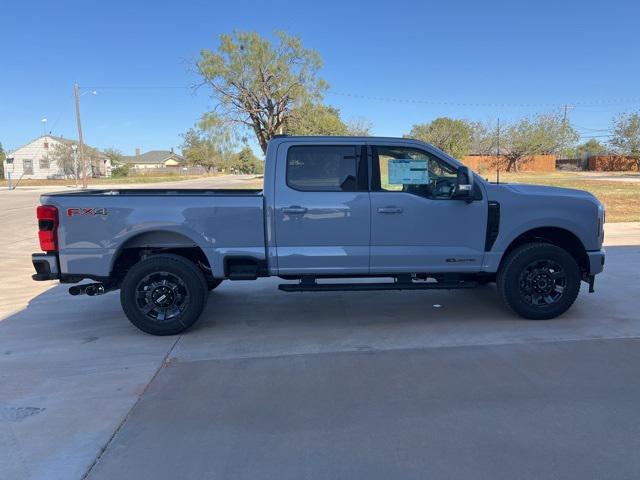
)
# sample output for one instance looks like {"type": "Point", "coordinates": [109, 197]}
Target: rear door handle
{"type": "Point", "coordinates": [294, 210]}
{"type": "Point", "coordinates": [390, 210]}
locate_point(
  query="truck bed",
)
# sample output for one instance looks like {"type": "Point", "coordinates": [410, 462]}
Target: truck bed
{"type": "Point", "coordinates": [95, 225]}
{"type": "Point", "coordinates": [147, 192]}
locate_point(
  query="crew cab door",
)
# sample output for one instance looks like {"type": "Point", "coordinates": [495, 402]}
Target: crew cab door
{"type": "Point", "coordinates": [415, 224]}
{"type": "Point", "coordinates": [321, 209]}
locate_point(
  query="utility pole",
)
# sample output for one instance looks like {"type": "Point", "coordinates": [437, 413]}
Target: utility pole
{"type": "Point", "coordinates": [74, 147]}
{"type": "Point", "coordinates": [76, 91]}
{"type": "Point", "coordinates": [566, 107]}
{"type": "Point", "coordinates": [498, 154]}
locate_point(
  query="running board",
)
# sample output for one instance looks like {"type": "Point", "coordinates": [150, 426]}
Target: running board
{"type": "Point", "coordinates": [337, 287]}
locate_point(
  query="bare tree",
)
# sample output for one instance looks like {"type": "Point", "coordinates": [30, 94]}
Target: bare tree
{"type": "Point", "coordinates": [626, 136]}
{"type": "Point", "coordinates": [64, 157]}
{"type": "Point", "coordinates": [359, 127]}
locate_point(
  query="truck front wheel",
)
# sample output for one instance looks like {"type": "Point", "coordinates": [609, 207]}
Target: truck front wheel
{"type": "Point", "coordinates": [539, 281]}
{"type": "Point", "coordinates": [163, 294]}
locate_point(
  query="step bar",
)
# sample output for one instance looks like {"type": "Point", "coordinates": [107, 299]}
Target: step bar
{"type": "Point", "coordinates": [362, 286]}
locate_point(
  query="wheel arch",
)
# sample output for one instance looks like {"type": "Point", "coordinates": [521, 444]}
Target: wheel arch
{"type": "Point", "coordinates": [561, 237]}
{"type": "Point", "coordinates": [142, 244]}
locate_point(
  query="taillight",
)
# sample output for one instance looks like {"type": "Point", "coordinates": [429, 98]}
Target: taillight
{"type": "Point", "coordinates": [48, 228]}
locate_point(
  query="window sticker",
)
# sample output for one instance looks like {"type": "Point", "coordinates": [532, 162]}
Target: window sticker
{"type": "Point", "coordinates": [408, 172]}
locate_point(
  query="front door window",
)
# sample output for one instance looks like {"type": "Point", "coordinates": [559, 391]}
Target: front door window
{"type": "Point", "coordinates": [415, 171]}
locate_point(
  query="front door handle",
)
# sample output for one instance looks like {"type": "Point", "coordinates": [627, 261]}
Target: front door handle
{"type": "Point", "coordinates": [294, 210]}
{"type": "Point", "coordinates": [390, 209]}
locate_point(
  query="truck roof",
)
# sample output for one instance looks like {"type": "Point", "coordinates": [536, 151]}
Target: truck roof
{"type": "Point", "coordinates": [277, 139]}
{"type": "Point", "coordinates": [321, 138]}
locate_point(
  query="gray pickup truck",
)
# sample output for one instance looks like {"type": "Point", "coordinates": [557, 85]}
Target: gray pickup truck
{"type": "Point", "coordinates": [397, 210]}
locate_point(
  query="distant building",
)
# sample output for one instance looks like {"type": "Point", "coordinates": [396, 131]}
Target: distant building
{"type": "Point", "coordinates": [38, 160]}
{"type": "Point", "coordinates": [154, 159]}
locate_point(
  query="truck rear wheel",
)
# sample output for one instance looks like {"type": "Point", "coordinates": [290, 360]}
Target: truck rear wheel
{"type": "Point", "coordinates": [539, 281]}
{"type": "Point", "coordinates": [163, 294]}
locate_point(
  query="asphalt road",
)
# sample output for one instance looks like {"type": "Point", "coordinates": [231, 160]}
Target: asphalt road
{"type": "Point", "coordinates": [335, 385]}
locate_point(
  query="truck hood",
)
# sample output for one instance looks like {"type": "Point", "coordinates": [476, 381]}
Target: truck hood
{"type": "Point", "coordinates": [544, 190]}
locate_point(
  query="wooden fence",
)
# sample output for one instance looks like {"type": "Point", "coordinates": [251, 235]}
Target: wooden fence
{"type": "Point", "coordinates": [534, 163]}
{"type": "Point", "coordinates": [613, 163]}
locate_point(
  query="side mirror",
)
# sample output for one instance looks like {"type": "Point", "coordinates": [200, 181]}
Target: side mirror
{"type": "Point", "coordinates": [464, 184]}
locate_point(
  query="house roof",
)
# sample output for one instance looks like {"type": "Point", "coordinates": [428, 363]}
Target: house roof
{"type": "Point", "coordinates": [153, 156]}
{"type": "Point", "coordinates": [66, 141]}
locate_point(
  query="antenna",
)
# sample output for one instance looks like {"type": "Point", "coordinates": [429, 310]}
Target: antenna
{"type": "Point", "coordinates": [498, 155]}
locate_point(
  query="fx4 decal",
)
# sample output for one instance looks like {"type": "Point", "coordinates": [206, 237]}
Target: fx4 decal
{"type": "Point", "coordinates": [73, 212]}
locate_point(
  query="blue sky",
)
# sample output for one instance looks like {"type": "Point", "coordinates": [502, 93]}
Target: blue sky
{"type": "Point", "coordinates": [481, 60]}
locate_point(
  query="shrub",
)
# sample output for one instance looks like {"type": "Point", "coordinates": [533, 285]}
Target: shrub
{"type": "Point", "coordinates": [120, 171]}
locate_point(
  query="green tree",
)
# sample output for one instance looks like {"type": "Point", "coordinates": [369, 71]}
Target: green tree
{"type": "Point", "coordinates": [626, 136]}
{"type": "Point", "coordinates": [257, 83]}
{"type": "Point", "coordinates": [588, 148]}
{"type": "Point", "coordinates": [314, 119]}
{"type": "Point", "coordinates": [3, 156]}
{"type": "Point", "coordinates": [546, 134]}
{"type": "Point", "coordinates": [246, 162]}
{"type": "Point", "coordinates": [452, 136]}
{"type": "Point", "coordinates": [209, 144]}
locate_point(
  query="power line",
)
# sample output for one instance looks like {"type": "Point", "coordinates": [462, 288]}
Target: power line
{"type": "Point", "coordinates": [592, 129]}
{"type": "Point", "coordinates": [603, 102]}
{"type": "Point", "coordinates": [482, 104]}
{"type": "Point", "coordinates": [140, 87]}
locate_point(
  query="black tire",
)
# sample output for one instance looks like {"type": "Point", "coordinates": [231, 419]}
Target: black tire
{"type": "Point", "coordinates": [213, 283]}
{"type": "Point", "coordinates": [163, 294]}
{"type": "Point", "coordinates": [539, 281]}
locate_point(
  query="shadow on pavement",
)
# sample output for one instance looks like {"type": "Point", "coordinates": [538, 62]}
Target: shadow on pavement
{"type": "Point", "coordinates": [80, 367]}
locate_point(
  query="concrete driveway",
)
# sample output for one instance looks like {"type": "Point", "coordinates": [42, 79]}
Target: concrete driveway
{"type": "Point", "coordinates": [335, 385]}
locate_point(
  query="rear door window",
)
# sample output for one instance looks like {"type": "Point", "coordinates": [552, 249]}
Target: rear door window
{"type": "Point", "coordinates": [323, 168]}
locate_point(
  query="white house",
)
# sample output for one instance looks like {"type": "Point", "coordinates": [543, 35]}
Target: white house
{"type": "Point", "coordinates": [154, 159]}
{"type": "Point", "coordinates": [38, 160]}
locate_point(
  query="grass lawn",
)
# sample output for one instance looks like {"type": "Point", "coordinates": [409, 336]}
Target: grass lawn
{"type": "Point", "coordinates": [620, 198]}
